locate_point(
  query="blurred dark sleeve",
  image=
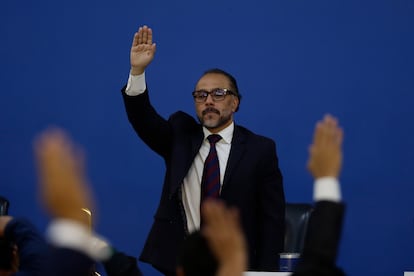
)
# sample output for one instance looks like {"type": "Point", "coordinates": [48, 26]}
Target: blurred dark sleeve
{"type": "Point", "coordinates": [121, 265]}
{"type": "Point", "coordinates": [322, 241]}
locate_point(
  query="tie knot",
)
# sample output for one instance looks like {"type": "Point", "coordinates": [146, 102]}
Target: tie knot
{"type": "Point", "coordinates": [213, 138]}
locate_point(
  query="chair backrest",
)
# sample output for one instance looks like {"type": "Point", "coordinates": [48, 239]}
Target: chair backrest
{"type": "Point", "coordinates": [4, 206]}
{"type": "Point", "coordinates": [297, 218]}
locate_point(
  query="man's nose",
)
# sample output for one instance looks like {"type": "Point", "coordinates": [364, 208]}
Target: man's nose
{"type": "Point", "coordinates": [209, 99]}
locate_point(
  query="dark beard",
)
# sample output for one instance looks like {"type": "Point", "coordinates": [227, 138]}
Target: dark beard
{"type": "Point", "coordinates": [221, 122]}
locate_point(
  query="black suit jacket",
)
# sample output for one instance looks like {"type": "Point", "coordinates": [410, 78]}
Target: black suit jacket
{"type": "Point", "coordinates": [322, 241]}
{"type": "Point", "coordinates": [70, 262]}
{"type": "Point", "coordinates": [252, 182]}
{"type": "Point", "coordinates": [67, 262]}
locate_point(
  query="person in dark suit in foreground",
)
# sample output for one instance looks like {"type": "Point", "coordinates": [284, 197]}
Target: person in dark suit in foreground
{"type": "Point", "coordinates": [325, 225]}
{"type": "Point", "coordinates": [249, 177]}
{"type": "Point", "coordinates": [64, 190]}
{"type": "Point", "coordinates": [22, 248]}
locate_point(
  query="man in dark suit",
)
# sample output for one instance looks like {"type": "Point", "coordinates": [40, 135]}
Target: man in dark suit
{"type": "Point", "coordinates": [249, 176]}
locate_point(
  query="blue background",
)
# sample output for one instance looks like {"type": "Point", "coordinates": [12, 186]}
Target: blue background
{"type": "Point", "coordinates": [63, 63]}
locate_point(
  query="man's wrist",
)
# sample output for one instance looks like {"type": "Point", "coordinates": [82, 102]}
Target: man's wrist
{"type": "Point", "coordinates": [136, 84]}
{"type": "Point", "coordinates": [327, 188]}
{"type": "Point", "coordinates": [74, 235]}
{"type": "Point", "coordinates": [135, 71]}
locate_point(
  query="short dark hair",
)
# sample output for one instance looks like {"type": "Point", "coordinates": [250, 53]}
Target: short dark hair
{"type": "Point", "coordinates": [6, 254]}
{"type": "Point", "coordinates": [233, 82]}
{"type": "Point", "coordinates": [195, 256]}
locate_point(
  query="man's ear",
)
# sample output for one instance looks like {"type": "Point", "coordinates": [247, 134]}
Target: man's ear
{"type": "Point", "coordinates": [179, 271]}
{"type": "Point", "coordinates": [236, 103]}
{"type": "Point", "coordinates": [16, 259]}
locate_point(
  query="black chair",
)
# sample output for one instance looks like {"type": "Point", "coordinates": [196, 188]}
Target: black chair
{"type": "Point", "coordinates": [4, 206]}
{"type": "Point", "coordinates": [297, 218]}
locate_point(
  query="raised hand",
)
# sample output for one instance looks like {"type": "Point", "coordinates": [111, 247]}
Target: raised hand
{"type": "Point", "coordinates": [325, 154]}
{"type": "Point", "coordinates": [142, 50]}
{"type": "Point", "coordinates": [225, 237]}
{"type": "Point", "coordinates": [62, 182]}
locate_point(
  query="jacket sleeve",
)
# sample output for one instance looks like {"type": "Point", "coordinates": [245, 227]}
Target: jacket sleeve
{"type": "Point", "coordinates": [152, 128]}
{"type": "Point", "coordinates": [322, 240]}
{"type": "Point", "coordinates": [121, 265]}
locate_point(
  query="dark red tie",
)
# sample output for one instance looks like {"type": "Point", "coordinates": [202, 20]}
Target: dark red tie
{"type": "Point", "coordinates": [210, 183]}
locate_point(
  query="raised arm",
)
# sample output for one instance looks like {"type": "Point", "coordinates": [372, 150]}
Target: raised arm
{"type": "Point", "coordinates": [65, 192]}
{"type": "Point", "coordinates": [325, 225]}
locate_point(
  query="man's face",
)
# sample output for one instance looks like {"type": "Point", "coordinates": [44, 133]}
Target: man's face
{"type": "Point", "coordinates": [215, 115]}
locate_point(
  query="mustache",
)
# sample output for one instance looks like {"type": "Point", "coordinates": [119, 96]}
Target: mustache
{"type": "Point", "coordinates": [210, 109]}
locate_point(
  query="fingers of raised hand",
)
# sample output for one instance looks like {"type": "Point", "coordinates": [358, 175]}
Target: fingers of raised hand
{"type": "Point", "coordinates": [143, 36]}
{"type": "Point", "coordinates": [325, 152]}
{"type": "Point", "coordinates": [61, 173]}
{"type": "Point", "coordinates": [149, 36]}
{"type": "Point", "coordinates": [327, 131]}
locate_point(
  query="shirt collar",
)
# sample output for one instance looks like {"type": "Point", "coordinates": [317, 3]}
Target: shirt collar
{"type": "Point", "coordinates": [226, 134]}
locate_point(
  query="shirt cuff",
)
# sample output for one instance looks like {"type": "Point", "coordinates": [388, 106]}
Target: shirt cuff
{"type": "Point", "coordinates": [327, 188]}
{"type": "Point", "coordinates": [136, 85]}
{"type": "Point", "coordinates": [73, 235]}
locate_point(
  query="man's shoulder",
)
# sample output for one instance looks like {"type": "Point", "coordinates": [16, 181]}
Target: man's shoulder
{"type": "Point", "coordinates": [252, 136]}
{"type": "Point", "coordinates": [183, 120]}
{"type": "Point", "coordinates": [181, 116]}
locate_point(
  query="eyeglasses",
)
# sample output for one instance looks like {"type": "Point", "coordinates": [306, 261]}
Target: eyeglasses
{"type": "Point", "coordinates": [217, 94]}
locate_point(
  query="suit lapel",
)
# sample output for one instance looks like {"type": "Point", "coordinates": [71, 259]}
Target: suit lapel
{"type": "Point", "coordinates": [185, 158]}
{"type": "Point", "coordinates": [238, 147]}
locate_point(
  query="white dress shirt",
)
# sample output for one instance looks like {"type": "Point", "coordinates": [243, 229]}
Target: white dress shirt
{"type": "Point", "coordinates": [71, 234]}
{"type": "Point", "coordinates": [191, 187]}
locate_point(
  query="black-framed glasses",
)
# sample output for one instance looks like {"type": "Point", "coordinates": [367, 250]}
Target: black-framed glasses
{"type": "Point", "coordinates": [217, 94]}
